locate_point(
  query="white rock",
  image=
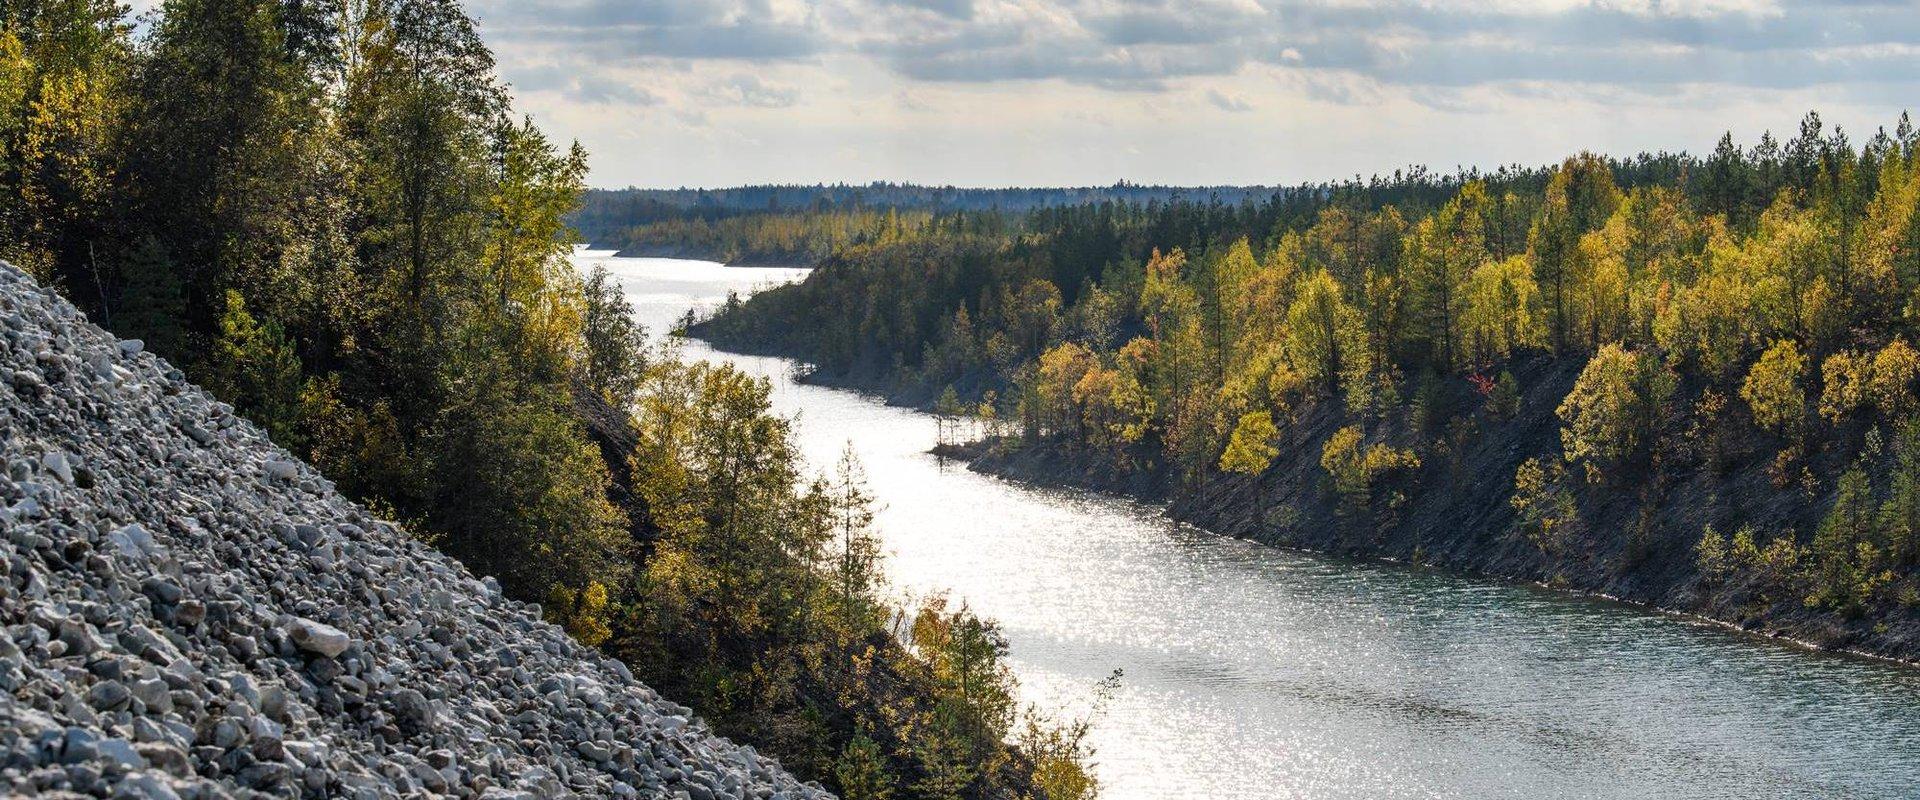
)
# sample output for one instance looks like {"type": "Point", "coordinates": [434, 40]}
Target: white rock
{"type": "Point", "coordinates": [58, 463]}
{"type": "Point", "coordinates": [133, 540]}
{"type": "Point", "coordinates": [120, 751]}
{"type": "Point", "coordinates": [318, 638]}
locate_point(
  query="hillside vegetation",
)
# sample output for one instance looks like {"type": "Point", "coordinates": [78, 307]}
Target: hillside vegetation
{"type": "Point", "coordinates": [1683, 380]}
{"type": "Point", "coordinates": [329, 215]}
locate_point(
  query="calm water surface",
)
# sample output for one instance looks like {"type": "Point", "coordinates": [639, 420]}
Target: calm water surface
{"type": "Point", "coordinates": [1253, 672]}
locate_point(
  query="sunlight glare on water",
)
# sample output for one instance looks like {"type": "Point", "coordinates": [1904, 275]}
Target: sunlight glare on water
{"type": "Point", "coordinates": [1253, 672]}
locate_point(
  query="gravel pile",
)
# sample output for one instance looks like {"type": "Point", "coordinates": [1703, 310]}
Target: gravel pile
{"type": "Point", "coordinates": [190, 612]}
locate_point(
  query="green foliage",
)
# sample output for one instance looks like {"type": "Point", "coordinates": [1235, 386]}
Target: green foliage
{"type": "Point", "coordinates": [1713, 555]}
{"type": "Point", "coordinates": [1547, 513]}
{"type": "Point", "coordinates": [1845, 378]}
{"type": "Point", "coordinates": [1894, 369]}
{"type": "Point", "coordinates": [1251, 450]}
{"type": "Point", "coordinates": [1899, 520]}
{"type": "Point", "coordinates": [517, 490]}
{"type": "Point", "coordinates": [861, 771]}
{"type": "Point", "coordinates": [1061, 756]}
{"type": "Point", "coordinates": [1323, 333]}
{"type": "Point", "coordinates": [614, 361]}
{"type": "Point", "coordinates": [966, 656]}
{"type": "Point", "coordinates": [853, 558]}
{"type": "Point", "coordinates": [583, 612]}
{"type": "Point", "coordinates": [1606, 410]}
{"type": "Point", "coordinates": [1502, 311]}
{"type": "Point", "coordinates": [152, 305]}
{"type": "Point", "coordinates": [1441, 257]}
{"type": "Point", "coordinates": [1846, 556]}
{"type": "Point", "coordinates": [789, 239]}
{"type": "Point", "coordinates": [1355, 467]}
{"type": "Point", "coordinates": [256, 369]}
{"type": "Point", "coordinates": [1772, 388]}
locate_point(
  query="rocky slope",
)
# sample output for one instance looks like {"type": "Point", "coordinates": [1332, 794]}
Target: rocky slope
{"type": "Point", "coordinates": [189, 612]}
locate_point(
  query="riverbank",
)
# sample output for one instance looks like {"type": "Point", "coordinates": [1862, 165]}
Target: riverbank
{"type": "Point", "coordinates": [1634, 543]}
{"type": "Point", "coordinates": [698, 253]}
{"type": "Point", "coordinates": [1469, 529]}
{"type": "Point", "coordinates": [1053, 468]}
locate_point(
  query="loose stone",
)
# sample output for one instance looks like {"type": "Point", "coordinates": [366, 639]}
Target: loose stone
{"type": "Point", "coordinates": [194, 616]}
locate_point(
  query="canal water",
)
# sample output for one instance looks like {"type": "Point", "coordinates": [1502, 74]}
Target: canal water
{"type": "Point", "coordinates": [1253, 672]}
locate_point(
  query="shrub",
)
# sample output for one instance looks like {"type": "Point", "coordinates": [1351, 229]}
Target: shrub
{"type": "Point", "coordinates": [861, 771]}
{"type": "Point", "coordinates": [1250, 450]}
{"type": "Point", "coordinates": [1772, 388]}
{"type": "Point", "coordinates": [1547, 512]}
{"type": "Point", "coordinates": [1844, 378]}
{"type": "Point", "coordinates": [1713, 555]}
{"type": "Point", "coordinates": [1891, 386]}
{"type": "Point", "coordinates": [1355, 467]}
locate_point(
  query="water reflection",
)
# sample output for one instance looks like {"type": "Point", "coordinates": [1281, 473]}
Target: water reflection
{"type": "Point", "coordinates": [1253, 672]}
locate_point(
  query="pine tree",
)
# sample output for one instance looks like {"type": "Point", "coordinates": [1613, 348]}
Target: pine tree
{"type": "Point", "coordinates": [151, 307]}
{"type": "Point", "coordinates": [253, 366]}
{"type": "Point", "coordinates": [861, 771]}
{"type": "Point", "coordinates": [615, 344]}
{"type": "Point", "coordinates": [854, 567]}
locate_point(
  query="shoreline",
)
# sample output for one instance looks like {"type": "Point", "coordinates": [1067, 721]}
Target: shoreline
{"type": "Point", "coordinates": [980, 457]}
{"type": "Point", "coordinates": [681, 254]}
{"type": "Point", "coordinates": [968, 453]}
{"type": "Point", "coordinates": [1048, 467]}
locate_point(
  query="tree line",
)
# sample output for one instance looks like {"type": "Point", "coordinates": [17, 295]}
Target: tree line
{"type": "Point", "coordinates": [797, 239]}
{"type": "Point", "coordinates": [328, 213]}
{"type": "Point", "coordinates": [1759, 297]}
{"type": "Point", "coordinates": [607, 210]}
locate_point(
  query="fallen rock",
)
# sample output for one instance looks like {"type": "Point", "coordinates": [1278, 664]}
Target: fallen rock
{"type": "Point", "coordinates": [318, 638]}
{"type": "Point", "coordinates": [178, 627]}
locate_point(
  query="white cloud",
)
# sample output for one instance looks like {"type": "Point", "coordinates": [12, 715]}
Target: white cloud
{"type": "Point", "coordinates": [747, 90]}
{"type": "Point", "coordinates": [1023, 91]}
{"type": "Point", "coordinates": [1228, 102]}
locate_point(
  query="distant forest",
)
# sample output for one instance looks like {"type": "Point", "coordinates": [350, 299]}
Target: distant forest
{"type": "Point", "coordinates": [798, 225]}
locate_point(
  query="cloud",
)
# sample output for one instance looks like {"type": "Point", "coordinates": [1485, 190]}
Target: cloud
{"type": "Point", "coordinates": [596, 88]}
{"type": "Point", "coordinates": [1146, 43]}
{"type": "Point", "coordinates": [997, 78]}
{"type": "Point", "coordinates": [748, 90]}
{"type": "Point", "coordinates": [1228, 102]}
{"type": "Point", "coordinates": [954, 9]}
{"type": "Point", "coordinates": [617, 31]}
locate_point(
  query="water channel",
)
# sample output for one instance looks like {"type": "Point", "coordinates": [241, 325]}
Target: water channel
{"type": "Point", "coordinates": [1253, 672]}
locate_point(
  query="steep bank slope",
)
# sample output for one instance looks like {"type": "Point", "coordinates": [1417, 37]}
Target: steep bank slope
{"type": "Point", "coordinates": [190, 612]}
{"type": "Point", "coordinates": [1635, 544]}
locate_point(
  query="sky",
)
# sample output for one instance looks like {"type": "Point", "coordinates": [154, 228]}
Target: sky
{"type": "Point", "coordinates": [668, 93]}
